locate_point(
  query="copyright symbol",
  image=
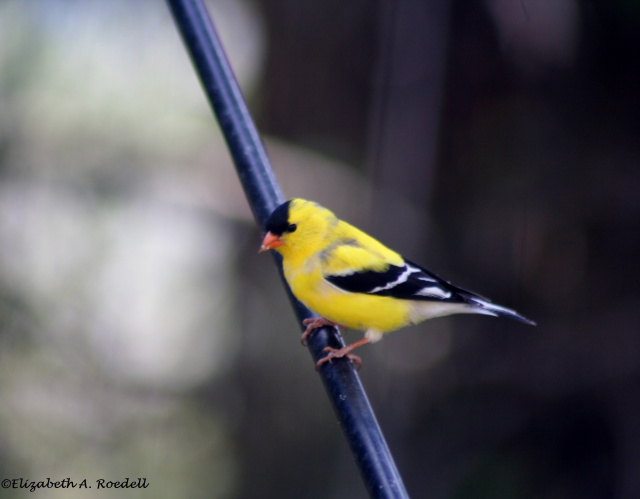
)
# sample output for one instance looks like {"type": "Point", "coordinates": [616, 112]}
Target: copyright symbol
{"type": "Point", "coordinates": [6, 483]}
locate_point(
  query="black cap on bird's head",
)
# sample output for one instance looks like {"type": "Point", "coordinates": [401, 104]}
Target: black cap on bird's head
{"type": "Point", "coordinates": [277, 225]}
{"type": "Point", "coordinates": [310, 222]}
{"type": "Point", "coordinates": [278, 221]}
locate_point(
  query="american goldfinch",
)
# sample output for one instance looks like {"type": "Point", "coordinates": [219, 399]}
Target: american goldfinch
{"type": "Point", "coordinates": [352, 280]}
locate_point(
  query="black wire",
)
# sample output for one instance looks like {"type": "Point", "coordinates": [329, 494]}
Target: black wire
{"type": "Point", "coordinates": [341, 382]}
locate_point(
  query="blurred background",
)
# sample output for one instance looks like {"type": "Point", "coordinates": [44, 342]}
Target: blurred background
{"type": "Point", "coordinates": [141, 335]}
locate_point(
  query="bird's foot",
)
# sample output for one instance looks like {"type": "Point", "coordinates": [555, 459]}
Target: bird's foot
{"type": "Point", "coordinates": [312, 324]}
{"type": "Point", "coordinates": [338, 353]}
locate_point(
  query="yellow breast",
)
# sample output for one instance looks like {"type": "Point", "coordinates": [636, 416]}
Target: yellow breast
{"type": "Point", "coordinates": [353, 310]}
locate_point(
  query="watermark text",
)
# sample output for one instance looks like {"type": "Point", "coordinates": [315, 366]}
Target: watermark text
{"type": "Point", "coordinates": [67, 483]}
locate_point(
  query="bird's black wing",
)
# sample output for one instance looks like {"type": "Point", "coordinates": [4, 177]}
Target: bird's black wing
{"type": "Point", "coordinates": [406, 282]}
{"type": "Point", "coordinates": [412, 282]}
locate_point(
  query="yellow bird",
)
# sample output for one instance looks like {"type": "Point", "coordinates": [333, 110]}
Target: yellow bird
{"type": "Point", "coordinates": [352, 280]}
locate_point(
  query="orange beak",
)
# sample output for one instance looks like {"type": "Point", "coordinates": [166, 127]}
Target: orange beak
{"type": "Point", "coordinates": [270, 241]}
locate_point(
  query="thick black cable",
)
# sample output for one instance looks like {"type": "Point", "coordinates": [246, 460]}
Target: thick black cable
{"type": "Point", "coordinates": [341, 382]}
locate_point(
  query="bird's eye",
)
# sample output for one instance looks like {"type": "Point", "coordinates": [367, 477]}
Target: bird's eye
{"type": "Point", "coordinates": [292, 228]}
